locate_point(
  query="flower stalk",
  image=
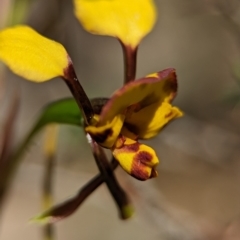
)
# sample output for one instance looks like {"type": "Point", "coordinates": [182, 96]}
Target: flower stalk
{"type": "Point", "coordinates": [78, 92]}
{"type": "Point", "coordinates": [130, 62]}
{"type": "Point", "coordinates": [106, 171]}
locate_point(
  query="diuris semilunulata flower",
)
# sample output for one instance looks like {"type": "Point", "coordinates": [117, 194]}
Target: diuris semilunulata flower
{"type": "Point", "coordinates": [138, 110]}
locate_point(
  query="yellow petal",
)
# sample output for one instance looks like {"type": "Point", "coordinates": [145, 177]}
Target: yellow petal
{"type": "Point", "coordinates": [128, 20]}
{"type": "Point", "coordinates": [106, 135]}
{"type": "Point", "coordinates": [137, 159]}
{"type": "Point", "coordinates": [30, 55]}
{"type": "Point", "coordinates": [134, 96]}
{"type": "Point", "coordinates": [148, 121]}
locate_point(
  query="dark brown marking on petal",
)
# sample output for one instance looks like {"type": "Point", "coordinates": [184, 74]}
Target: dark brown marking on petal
{"type": "Point", "coordinates": [140, 163]}
{"type": "Point", "coordinates": [120, 141]}
{"type": "Point", "coordinates": [170, 85]}
{"type": "Point", "coordinates": [168, 115]}
{"type": "Point", "coordinates": [144, 157]}
{"type": "Point", "coordinates": [132, 128]}
{"type": "Point", "coordinates": [167, 75]}
{"type": "Point", "coordinates": [131, 147]}
{"type": "Point", "coordinates": [101, 137]}
{"type": "Point", "coordinates": [134, 108]}
{"type": "Point", "coordinates": [138, 171]}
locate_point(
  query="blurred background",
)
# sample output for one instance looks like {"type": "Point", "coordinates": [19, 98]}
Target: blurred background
{"type": "Point", "coordinates": [197, 193]}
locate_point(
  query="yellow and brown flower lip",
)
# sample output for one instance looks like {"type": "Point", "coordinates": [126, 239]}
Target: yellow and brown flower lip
{"type": "Point", "coordinates": [138, 163]}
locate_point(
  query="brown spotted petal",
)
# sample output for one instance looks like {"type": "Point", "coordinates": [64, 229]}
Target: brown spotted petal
{"type": "Point", "coordinates": [134, 96]}
{"type": "Point", "coordinates": [107, 134]}
{"type": "Point", "coordinates": [147, 122]}
{"type": "Point", "coordinates": [137, 159]}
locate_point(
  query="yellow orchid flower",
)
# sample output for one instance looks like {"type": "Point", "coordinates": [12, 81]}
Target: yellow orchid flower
{"type": "Point", "coordinates": [139, 110]}
{"type": "Point", "coordinates": [127, 20]}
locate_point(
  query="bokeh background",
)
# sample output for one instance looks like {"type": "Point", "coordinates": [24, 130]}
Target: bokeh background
{"type": "Point", "coordinates": [197, 193]}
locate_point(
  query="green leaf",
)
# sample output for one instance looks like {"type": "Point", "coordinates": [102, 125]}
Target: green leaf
{"type": "Point", "coordinates": [64, 111]}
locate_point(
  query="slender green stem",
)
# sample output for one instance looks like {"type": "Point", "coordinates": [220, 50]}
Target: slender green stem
{"type": "Point", "coordinates": [13, 161]}
{"type": "Point", "coordinates": [47, 188]}
{"type": "Point", "coordinates": [12, 164]}
{"type": "Point", "coordinates": [48, 232]}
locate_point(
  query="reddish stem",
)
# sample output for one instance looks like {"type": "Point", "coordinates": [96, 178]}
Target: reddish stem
{"type": "Point", "coordinates": [130, 62]}
{"type": "Point", "coordinates": [78, 93]}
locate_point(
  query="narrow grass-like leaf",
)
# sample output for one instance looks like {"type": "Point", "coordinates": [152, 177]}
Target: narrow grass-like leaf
{"type": "Point", "coordinates": [50, 149]}
{"type": "Point", "coordinates": [8, 131]}
{"type": "Point", "coordinates": [63, 111]}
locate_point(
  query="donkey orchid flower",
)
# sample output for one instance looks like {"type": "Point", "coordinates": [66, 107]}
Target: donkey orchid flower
{"type": "Point", "coordinates": [138, 110]}
{"type": "Point", "coordinates": [126, 20]}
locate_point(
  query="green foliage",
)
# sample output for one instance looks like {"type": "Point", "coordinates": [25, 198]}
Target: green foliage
{"type": "Point", "coordinates": [64, 111]}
